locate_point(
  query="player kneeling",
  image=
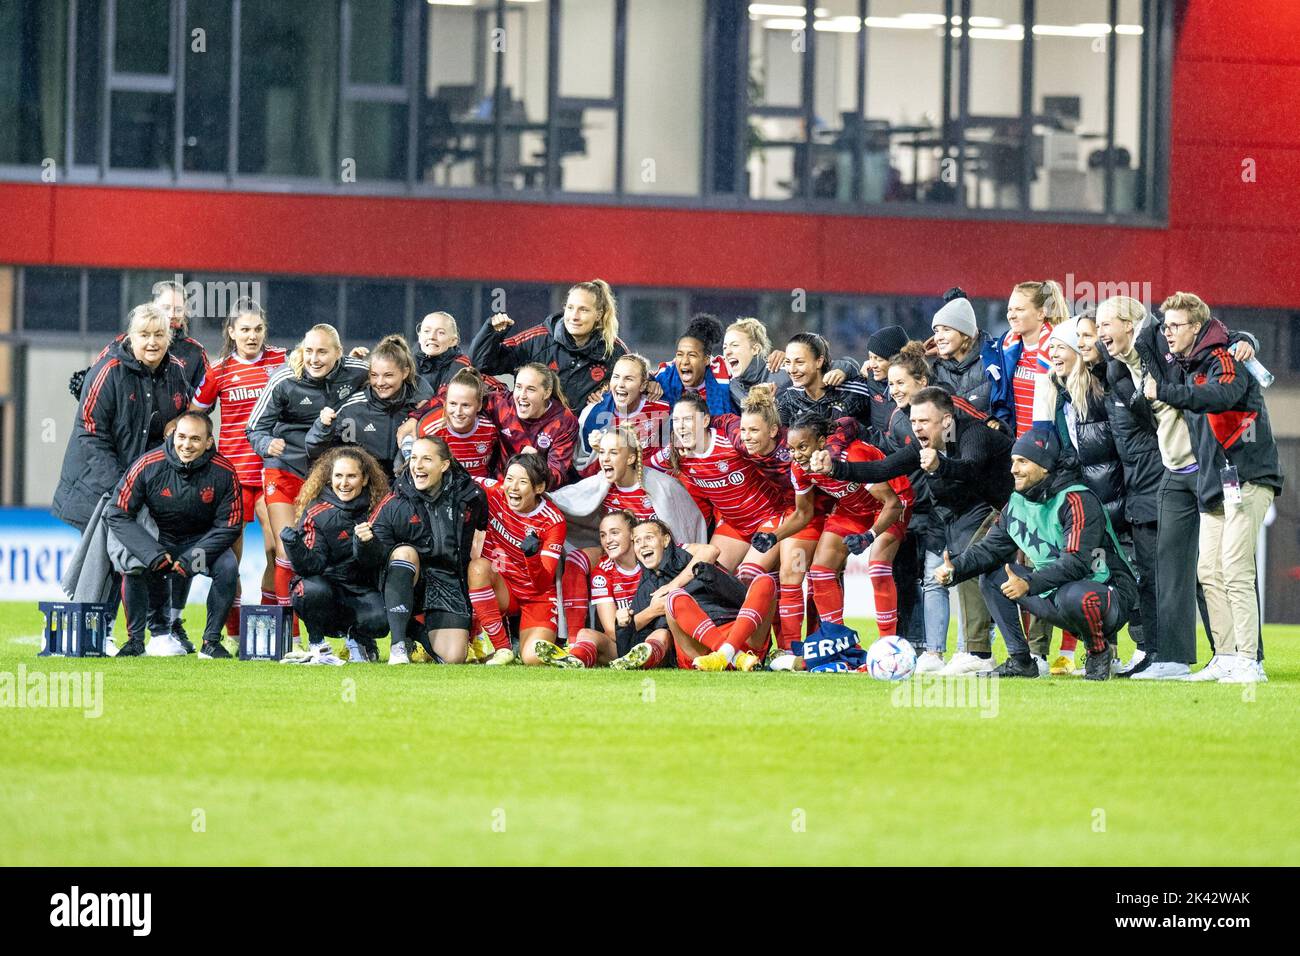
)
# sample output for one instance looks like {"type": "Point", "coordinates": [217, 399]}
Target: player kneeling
{"type": "Point", "coordinates": [332, 592]}
{"type": "Point", "coordinates": [423, 535]}
{"type": "Point", "coordinates": [709, 619]}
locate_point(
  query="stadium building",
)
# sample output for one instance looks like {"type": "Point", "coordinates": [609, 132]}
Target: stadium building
{"type": "Point", "coordinates": [834, 168]}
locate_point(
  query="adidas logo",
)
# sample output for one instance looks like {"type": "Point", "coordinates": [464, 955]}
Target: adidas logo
{"type": "Point", "coordinates": [343, 536]}
{"type": "Point", "coordinates": [400, 609]}
{"type": "Point", "coordinates": [369, 428]}
{"type": "Point", "coordinates": [166, 492]}
{"type": "Point", "coordinates": [415, 519]}
{"type": "Point", "coordinates": [305, 401]}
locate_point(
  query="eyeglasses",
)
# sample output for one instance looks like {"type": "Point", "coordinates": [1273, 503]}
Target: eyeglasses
{"type": "Point", "coordinates": [1176, 325]}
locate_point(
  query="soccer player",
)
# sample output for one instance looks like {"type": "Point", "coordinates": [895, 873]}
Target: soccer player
{"type": "Point", "coordinates": [194, 498]}
{"type": "Point", "coordinates": [317, 377]}
{"type": "Point", "coordinates": [695, 370]}
{"type": "Point", "coordinates": [865, 516]}
{"type": "Point", "coordinates": [422, 542]}
{"type": "Point", "coordinates": [626, 402]}
{"type": "Point", "coordinates": [684, 602]}
{"type": "Point", "coordinates": [1080, 579]}
{"type": "Point", "coordinates": [582, 342]}
{"type": "Point", "coordinates": [371, 416]}
{"type": "Point", "coordinates": [750, 360]}
{"type": "Point", "coordinates": [440, 357]}
{"type": "Point", "coordinates": [535, 418]}
{"type": "Point", "coordinates": [809, 359]}
{"type": "Point", "coordinates": [742, 497]}
{"type": "Point", "coordinates": [457, 418]}
{"type": "Point", "coordinates": [332, 591]}
{"type": "Point", "coordinates": [236, 381]}
{"type": "Point", "coordinates": [516, 572]}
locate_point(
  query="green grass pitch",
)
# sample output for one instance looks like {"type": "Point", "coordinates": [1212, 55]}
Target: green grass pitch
{"type": "Point", "coordinates": [226, 763]}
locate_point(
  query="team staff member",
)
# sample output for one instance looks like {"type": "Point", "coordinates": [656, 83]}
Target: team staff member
{"type": "Point", "coordinates": [960, 348]}
{"type": "Point", "coordinates": [535, 418]}
{"type": "Point", "coordinates": [193, 495]}
{"type": "Point", "coordinates": [317, 377]}
{"type": "Point", "coordinates": [422, 540]}
{"type": "Point", "coordinates": [1062, 529]}
{"type": "Point", "coordinates": [458, 419]}
{"type": "Point", "coordinates": [581, 343]}
{"type": "Point", "coordinates": [1231, 435]}
{"type": "Point", "coordinates": [371, 416]}
{"type": "Point", "coordinates": [516, 572]}
{"type": "Point", "coordinates": [332, 591]}
{"type": "Point", "coordinates": [237, 381]}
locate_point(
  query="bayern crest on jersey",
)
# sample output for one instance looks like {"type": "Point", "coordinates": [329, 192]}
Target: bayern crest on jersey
{"type": "Point", "coordinates": [344, 391]}
{"type": "Point", "coordinates": [481, 448]}
{"type": "Point", "coordinates": [543, 441]}
{"type": "Point", "coordinates": [598, 581]}
{"type": "Point", "coordinates": [723, 467]}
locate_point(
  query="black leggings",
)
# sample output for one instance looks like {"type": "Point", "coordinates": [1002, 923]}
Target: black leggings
{"type": "Point", "coordinates": [144, 593]}
{"type": "Point", "coordinates": [1095, 612]}
{"type": "Point", "coordinates": [328, 608]}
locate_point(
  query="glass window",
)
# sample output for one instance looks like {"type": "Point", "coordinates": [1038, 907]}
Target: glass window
{"type": "Point", "coordinates": [648, 322]}
{"type": "Point", "coordinates": [784, 315]}
{"type": "Point", "coordinates": [294, 305]}
{"type": "Point", "coordinates": [725, 305]}
{"type": "Point", "coordinates": [143, 130]}
{"type": "Point", "coordinates": [663, 98]}
{"type": "Point", "coordinates": [994, 129]}
{"type": "Point", "coordinates": [375, 109]}
{"type": "Point", "coordinates": [375, 136]}
{"type": "Point", "coordinates": [453, 145]}
{"type": "Point", "coordinates": [89, 84]}
{"type": "Point", "coordinates": [528, 305]}
{"type": "Point", "coordinates": [523, 48]}
{"type": "Point", "coordinates": [586, 133]}
{"type": "Point", "coordinates": [52, 300]}
{"type": "Point", "coordinates": [141, 38]}
{"type": "Point", "coordinates": [457, 301]}
{"type": "Point", "coordinates": [33, 57]}
{"type": "Point", "coordinates": [288, 91]}
{"type": "Point", "coordinates": [375, 53]}
{"type": "Point", "coordinates": [104, 301]}
{"type": "Point", "coordinates": [375, 309]}
{"type": "Point", "coordinates": [1128, 194]}
{"type": "Point", "coordinates": [206, 57]}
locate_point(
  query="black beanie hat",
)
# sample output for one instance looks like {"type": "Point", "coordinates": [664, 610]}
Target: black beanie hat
{"type": "Point", "coordinates": [1040, 446]}
{"type": "Point", "coordinates": [887, 342]}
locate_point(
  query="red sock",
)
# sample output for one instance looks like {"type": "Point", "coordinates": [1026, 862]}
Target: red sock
{"type": "Point", "coordinates": [232, 619]}
{"type": "Point", "coordinates": [576, 592]}
{"type": "Point", "coordinates": [827, 594]}
{"type": "Point", "coordinates": [584, 651]}
{"type": "Point", "coordinates": [886, 595]}
{"type": "Point", "coordinates": [747, 572]}
{"type": "Point", "coordinates": [1068, 643]}
{"type": "Point", "coordinates": [758, 604]}
{"type": "Point", "coordinates": [692, 619]}
{"type": "Point", "coordinates": [484, 602]}
{"type": "Point", "coordinates": [790, 622]}
{"type": "Point", "coordinates": [812, 620]}
{"type": "Point", "coordinates": [283, 577]}
{"type": "Point", "coordinates": [658, 648]}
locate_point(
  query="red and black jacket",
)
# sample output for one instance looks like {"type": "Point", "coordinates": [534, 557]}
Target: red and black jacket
{"type": "Point", "coordinates": [123, 410]}
{"type": "Point", "coordinates": [197, 505]}
{"type": "Point", "coordinates": [322, 543]}
{"type": "Point", "coordinates": [582, 369]}
{"type": "Point", "coordinates": [554, 434]}
{"type": "Point", "coordinates": [1224, 409]}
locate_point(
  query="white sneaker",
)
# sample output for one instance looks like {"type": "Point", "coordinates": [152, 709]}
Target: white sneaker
{"type": "Point", "coordinates": [964, 663]}
{"type": "Point", "coordinates": [929, 663]}
{"type": "Point", "coordinates": [164, 645]}
{"type": "Point", "coordinates": [1138, 657]}
{"type": "Point", "coordinates": [1241, 671]}
{"type": "Point", "coordinates": [356, 653]}
{"type": "Point", "coordinates": [1044, 669]}
{"type": "Point", "coordinates": [397, 653]}
{"type": "Point", "coordinates": [501, 658]}
{"type": "Point", "coordinates": [110, 649]}
{"type": "Point", "coordinates": [1218, 667]}
{"type": "Point", "coordinates": [1259, 670]}
{"type": "Point", "coordinates": [1163, 670]}
{"type": "Point", "coordinates": [783, 661]}
{"type": "Point", "coordinates": [323, 653]}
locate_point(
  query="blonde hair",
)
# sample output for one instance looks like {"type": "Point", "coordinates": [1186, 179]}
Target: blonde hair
{"type": "Point", "coordinates": [606, 311]}
{"type": "Point", "coordinates": [1191, 303]}
{"type": "Point", "coordinates": [1080, 384]}
{"type": "Point", "coordinates": [146, 315]}
{"type": "Point", "coordinates": [1049, 297]}
{"type": "Point", "coordinates": [627, 436]}
{"type": "Point", "coordinates": [761, 401]}
{"type": "Point", "coordinates": [472, 379]}
{"type": "Point", "coordinates": [911, 359]}
{"type": "Point", "coordinates": [639, 360]}
{"type": "Point", "coordinates": [755, 331]}
{"type": "Point", "coordinates": [449, 317]}
{"type": "Point", "coordinates": [1124, 309]}
{"type": "Point", "coordinates": [395, 349]}
{"type": "Point", "coordinates": [295, 359]}
{"type": "Point", "coordinates": [552, 380]}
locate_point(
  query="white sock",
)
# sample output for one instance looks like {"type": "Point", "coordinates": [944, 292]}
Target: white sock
{"type": "Point", "coordinates": [728, 651]}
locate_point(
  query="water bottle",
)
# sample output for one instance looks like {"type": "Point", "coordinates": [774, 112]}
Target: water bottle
{"type": "Point", "coordinates": [272, 634]}
{"type": "Point", "coordinates": [1262, 375]}
{"type": "Point", "coordinates": [260, 635]}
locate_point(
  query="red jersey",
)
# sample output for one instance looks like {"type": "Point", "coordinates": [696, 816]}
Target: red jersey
{"type": "Point", "coordinates": [731, 481]}
{"type": "Point", "coordinates": [652, 421]}
{"type": "Point", "coordinates": [1032, 364]}
{"type": "Point", "coordinates": [635, 500]}
{"type": "Point", "coordinates": [503, 542]}
{"type": "Point", "coordinates": [851, 497]}
{"type": "Point", "coordinates": [554, 434]}
{"type": "Point", "coordinates": [473, 450]}
{"type": "Point", "coordinates": [237, 384]}
{"type": "Point", "coordinates": [609, 582]}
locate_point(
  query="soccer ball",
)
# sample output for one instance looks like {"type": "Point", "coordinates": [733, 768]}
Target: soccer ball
{"type": "Point", "coordinates": [891, 658]}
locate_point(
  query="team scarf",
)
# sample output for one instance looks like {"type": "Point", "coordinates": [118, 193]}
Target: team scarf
{"type": "Point", "coordinates": [832, 648]}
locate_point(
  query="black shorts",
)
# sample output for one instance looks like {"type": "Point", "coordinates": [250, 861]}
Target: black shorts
{"type": "Point", "coordinates": [446, 620]}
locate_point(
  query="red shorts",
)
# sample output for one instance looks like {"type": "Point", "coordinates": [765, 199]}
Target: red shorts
{"type": "Point", "coordinates": [847, 524]}
{"type": "Point", "coordinates": [686, 665]}
{"type": "Point", "coordinates": [810, 533]}
{"type": "Point", "coordinates": [282, 487]}
{"type": "Point", "coordinates": [541, 612]}
{"type": "Point", "coordinates": [250, 494]}
{"type": "Point", "coordinates": [729, 530]}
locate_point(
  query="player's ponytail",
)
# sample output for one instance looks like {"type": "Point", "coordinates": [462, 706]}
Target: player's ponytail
{"type": "Point", "coordinates": [761, 401]}
{"type": "Point", "coordinates": [394, 348]}
{"type": "Point", "coordinates": [470, 378]}
{"type": "Point", "coordinates": [911, 358]}
{"type": "Point", "coordinates": [628, 438]}
{"type": "Point", "coordinates": [606, 311]}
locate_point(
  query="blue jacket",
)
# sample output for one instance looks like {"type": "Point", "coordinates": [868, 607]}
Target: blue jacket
{"type": "Point", "coordinates": [1000, 359]}
{"type": "Point", "coordinates": [717, 394]}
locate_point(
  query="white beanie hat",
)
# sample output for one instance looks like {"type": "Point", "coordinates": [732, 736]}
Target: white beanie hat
{"type": "Point", "coordinates": [1067, 333]}
{"type": "Point", "coordinates": [958, 315]}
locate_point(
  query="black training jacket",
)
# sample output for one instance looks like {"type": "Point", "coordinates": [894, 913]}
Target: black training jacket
{"type": "Point", "coordinates": [198, 507]}
{"type": "Point", "coordinates": [438, 370]}
{"type": "Point", "coordinates": [1133, 426]}
{"type": "Point", "coordinates": [123, 410]}
{"type": "Point", "coordinates": [367, 420]}
{"type": "Point", "coordinates": [721, 599]}
{"type": "Point", "coordinates": [582, 370]}
{"type": "Point", "coordinates": [321, 543]}
{"type": "Point", "coordinates": [290, 404]}
{"type": "Point", "coordinates": [1096, 454]}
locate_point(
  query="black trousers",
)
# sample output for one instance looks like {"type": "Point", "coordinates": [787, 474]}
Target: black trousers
{"type": "Point", "coordinates": [329, 608]}
{"type": "Point", "coordinates": [909, 565]}
{"type": "Point", "coordinates": [140, 591]}
{"type": "Point", "coordinates": [1095, 612]}
{"type": "Point", "coordinates": [1144, 562]}
{"type": "Point", "coordinates": [1177, 533]}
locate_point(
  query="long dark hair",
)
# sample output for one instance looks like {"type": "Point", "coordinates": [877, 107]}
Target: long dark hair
{"type": "Point", "coordinates": [242, 307]}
